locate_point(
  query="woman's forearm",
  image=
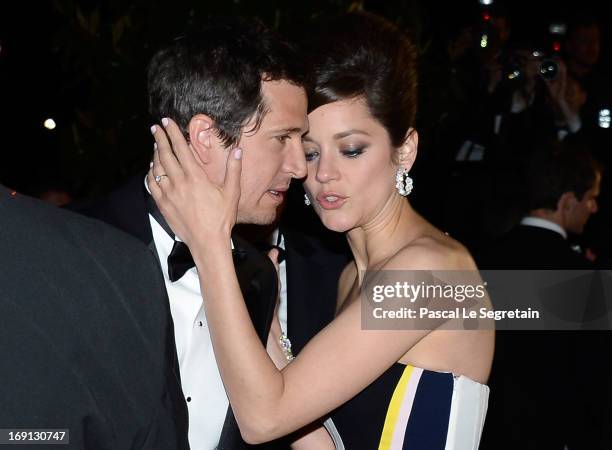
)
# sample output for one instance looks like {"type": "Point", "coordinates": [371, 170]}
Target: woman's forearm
{"type": "Point", "coordinates": [311, 437]}
{"type": "Point", "coordinates": [318, 439]}
{"type": "Point", "coordinates": [337, 363]}
{"type": "Point", "coordinates": [253, 383]}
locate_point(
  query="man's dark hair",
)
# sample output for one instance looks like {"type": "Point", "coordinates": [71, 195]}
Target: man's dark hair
{"type": "Point", "coordinates": [363, 55]}
{"type": "Point", "coordinates": [557, 169]}
{"type": "Point", "coordinates": [218, 71]}
{"type": "Point", "coordinates": [583, 19]}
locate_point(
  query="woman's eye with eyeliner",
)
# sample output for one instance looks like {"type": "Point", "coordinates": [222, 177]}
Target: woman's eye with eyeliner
{"type": "Point", "coordinates": [311, 155]}
{"type": "Point", "coordinates": [353, 152]}
{"type": "Point", "coordinates": [282, 139]}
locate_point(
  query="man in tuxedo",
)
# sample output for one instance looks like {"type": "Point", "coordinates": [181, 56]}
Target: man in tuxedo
{"type": "Point", "coordinates": [563, 185]}
{"type": "Point", "coordinates": [531, 405]}
{"type": "Point", "coordinates": [230, 84]}
{"type": "Point", "coordinates": [86, 336]}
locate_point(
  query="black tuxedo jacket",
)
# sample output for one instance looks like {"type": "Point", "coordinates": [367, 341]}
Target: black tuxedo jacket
{"type": "Point", "coordinates": [528, 247]}
{"type": "Point", "coordinates": [127, 210]}
{"type": "Point", "coordinates": [313, 266]}
{"type": "Point", "coordinates": [86, 336]}
{"type": "Point", "coordinates": [548, 388]}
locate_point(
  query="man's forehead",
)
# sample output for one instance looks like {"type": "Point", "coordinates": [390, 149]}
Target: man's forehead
{"type": "Point", "coordinates": [283, 92]}
{"type": "Point", "coordinates": [286, 106]}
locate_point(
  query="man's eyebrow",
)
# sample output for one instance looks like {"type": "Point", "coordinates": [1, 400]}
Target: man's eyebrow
{"type": "Point", "coordinates": [289, 130]}
{"type": "Point", "coordinates": [346, 133]}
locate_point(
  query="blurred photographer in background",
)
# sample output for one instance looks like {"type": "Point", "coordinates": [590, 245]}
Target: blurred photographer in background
{"type": "Point", "coordinates": [536, 96]}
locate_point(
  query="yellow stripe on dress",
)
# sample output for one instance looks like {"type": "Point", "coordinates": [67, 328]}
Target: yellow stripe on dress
{"type": "Point", "coordinates": [393, 412]}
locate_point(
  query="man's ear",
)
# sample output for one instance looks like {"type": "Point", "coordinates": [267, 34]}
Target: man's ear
{"type": "Point", "coordinates": [408, 151]}
{"type": "Point", "coordinates": [566, 202]}
{"type": "Point", "coordinates": [202, 137]}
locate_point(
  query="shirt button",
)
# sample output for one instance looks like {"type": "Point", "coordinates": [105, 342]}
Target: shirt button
{"type": "Point", "coordinates": [188, 399]}
{"type": "Point", "coordinates": [200, 323]}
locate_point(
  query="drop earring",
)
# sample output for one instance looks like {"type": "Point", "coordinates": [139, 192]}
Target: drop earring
{"type": "Point", "coordinates": [403, 182]}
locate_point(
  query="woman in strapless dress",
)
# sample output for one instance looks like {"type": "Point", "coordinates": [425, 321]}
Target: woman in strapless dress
{"type": "Point", "coordinates": [406, 388]}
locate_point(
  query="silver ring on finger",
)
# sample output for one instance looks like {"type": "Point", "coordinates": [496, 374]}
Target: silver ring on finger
{"type": "Point", "coordinates": [158, 178]}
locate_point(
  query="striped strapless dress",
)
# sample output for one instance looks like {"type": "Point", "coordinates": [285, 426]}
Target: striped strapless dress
{"type": "Point", "coordinates": [413, 409]}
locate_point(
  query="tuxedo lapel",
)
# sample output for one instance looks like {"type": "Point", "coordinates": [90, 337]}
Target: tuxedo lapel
{"type": "Point", "coordinates": [314, 265]}
{"type": "Point", "coordinates": [258, 283]}
{"type": "Point", "coordinates": [309, 307]}
{"type": "Point", "coordinates": [127, 210]}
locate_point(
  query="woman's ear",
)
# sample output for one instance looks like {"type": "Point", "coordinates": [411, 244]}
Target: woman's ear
{"type": "Point", "coordinates": [408, 151]}
{"type": "Point", "coordinates": [202, 137]}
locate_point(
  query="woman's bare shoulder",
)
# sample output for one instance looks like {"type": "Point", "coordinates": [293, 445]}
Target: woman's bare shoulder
{"type": "Point", "coordinates": [348, 274]}
{"type": "Point", "coordinates": [345, 283]}
{"type": "Point", "coordinates": [433, 250]}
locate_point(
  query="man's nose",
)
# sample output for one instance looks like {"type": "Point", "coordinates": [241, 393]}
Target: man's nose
{"type": "Point", "coordinates": [295, 161]}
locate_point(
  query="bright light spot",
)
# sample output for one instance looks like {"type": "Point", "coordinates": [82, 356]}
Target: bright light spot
{"type": "Point", "coordinates": [557, 28]}
{"type": "Point", "coordinates": [604, 118]}
{"type": "Point", "coordinates": [514, 74]}
{"type": "Point", "coordinates": [49, 124]}
{"type": "Point", "coordinates": [485, 2]}
{"type": "Point", "coordinates": [484, 40]}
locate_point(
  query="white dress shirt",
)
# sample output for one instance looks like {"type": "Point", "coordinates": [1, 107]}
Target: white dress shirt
{"type": "Point", "coordinates": [203, 388]}
{"type": "Point", "coordinates": [544, 223]}
{"type": "Point", "coordinates": [282, 275]}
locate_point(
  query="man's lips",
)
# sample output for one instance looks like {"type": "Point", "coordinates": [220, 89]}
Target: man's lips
{"type": "Point", "coordinates": [331, 200]}
{"type": "Point", "coordinates": [278, 193]}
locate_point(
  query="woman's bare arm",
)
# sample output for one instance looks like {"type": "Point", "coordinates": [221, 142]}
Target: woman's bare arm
{"type": "Point", "coordinates": [336, 364]}
{"type": "Point", "coordinates": [314, 436]}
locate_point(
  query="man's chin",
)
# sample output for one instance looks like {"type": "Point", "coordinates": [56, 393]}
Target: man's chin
{"type": "Point", "coordinates": [257, 217]}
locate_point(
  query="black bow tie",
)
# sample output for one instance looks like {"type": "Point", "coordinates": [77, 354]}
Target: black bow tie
{"type": "Point", "coordinates": [180, 260]}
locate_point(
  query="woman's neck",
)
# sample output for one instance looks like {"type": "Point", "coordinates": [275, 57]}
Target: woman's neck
{"type": "Point", "coordinates": [377, 241]}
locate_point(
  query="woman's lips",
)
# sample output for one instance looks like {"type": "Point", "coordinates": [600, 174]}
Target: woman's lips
{"type": "Point", "coordinates": [331, 200]}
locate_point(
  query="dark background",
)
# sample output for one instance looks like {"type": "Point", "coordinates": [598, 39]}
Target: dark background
{"type": "Point", "coordinates": [82, 63]}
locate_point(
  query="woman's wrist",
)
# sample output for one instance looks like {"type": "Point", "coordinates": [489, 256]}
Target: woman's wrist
{"type": "Point", "coordinates": [211, 249]}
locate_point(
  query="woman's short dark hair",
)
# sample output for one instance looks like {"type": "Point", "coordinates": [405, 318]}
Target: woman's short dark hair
{"type": "Point", "coordinates": [363, 55]}
{"type": "Point", "coordinates": [218, 71]}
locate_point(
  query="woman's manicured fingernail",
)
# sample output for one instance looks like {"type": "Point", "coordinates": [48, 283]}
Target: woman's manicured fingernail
{"type": "Point", "coordinates": [238, 153]}
{"type": "Point", "coordinates": [150, 164]}
{"type": "Point", "coordinates": [154, 145]}
{"type": "Point", "coordinates": [153, 129]}
{"type": "Point", "coordinates": [165, 122]}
